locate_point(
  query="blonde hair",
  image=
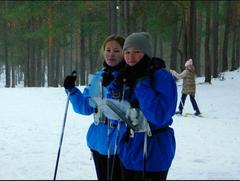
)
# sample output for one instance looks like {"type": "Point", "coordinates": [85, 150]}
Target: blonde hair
{"type": "Point", "coordinates": [118, 38]}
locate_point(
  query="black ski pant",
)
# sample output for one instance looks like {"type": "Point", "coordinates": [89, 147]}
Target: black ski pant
{"type": "Point", "coordinates": [193, 101]}
{"type": "Point", "coordinates": [101, 165]}
{"type": "Point", "coordinates": [140, 175]}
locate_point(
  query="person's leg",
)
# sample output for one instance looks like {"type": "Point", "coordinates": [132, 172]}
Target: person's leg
{"type": "Point", "coordinates": [157, 175]}
{"type": "Point", "coordinates": [100, 162]}
{"type": "Point", "coordinates": [126, 174]}
{"type": "Point", "coordinates": [138, 175]}
{"type": "Point", "coordinates": [182, 102]}
{"type": "Point", "coordinates": [194, 104]}
{"type": "Point", "coordinates": [115, 168]}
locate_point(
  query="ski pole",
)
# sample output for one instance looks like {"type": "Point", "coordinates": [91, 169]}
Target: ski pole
{"type": "Point", "coordinates": [116, 138]}
{"type": "Point", "coordinates": [108, 143]}
{"type": "Point", "coordinates": [101, 94]}
{"type": "Point", "coordinates": [61, 139]}
{"type": "Point", "coordinates": [115, 150]}
{"type": "Point", "coordinates": [145, 152]}
{"type": "Point", "coordinates": [182, 105]}
{"type": "Point", "coordinates": [74, 73]}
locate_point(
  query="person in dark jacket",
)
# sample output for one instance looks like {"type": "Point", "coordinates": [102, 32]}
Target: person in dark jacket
{"type": "Point", "coordinates": [147, 146]}
{"type": "Point", "coordinates": [189, 86]}
{"type": "Point", "coordinates": [102, 133]}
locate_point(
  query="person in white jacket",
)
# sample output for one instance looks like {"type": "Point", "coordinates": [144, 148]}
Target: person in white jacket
{"type": "Point", "coordinates": [189, 86]}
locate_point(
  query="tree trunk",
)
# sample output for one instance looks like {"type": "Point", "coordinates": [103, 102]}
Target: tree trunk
{"type": "Point", "coordinates": [199, 41]}
{"type": "Point", "coordinates": [233, 60]}
{"type": "Point", "coordinates": [238, 46]}
{"type": "Point", "coordinates": [50, 46]}
{"type": "Point", "coordinates": [132, 16]}
{"type": "Point", "coordinates": [174, 47]}
{"type": "Point", "coordinates": [13, 76]}
{"type": "Point", "coordinates": [238, 36]}
{"type": "Point", "coordinates": [71, 53]}
{"type": "Point", "coordinates": [193, 35]}
{"type": "Point", "coordinates": [215, 39]}
{"type": "Point", "coordinates": [39, 65]}
{"type": "Point", "coordinates": [6, 49]}
{"type": "Point", "coordinates": [207, 50]}
{"type": "Point", "coordinates": [125, 12]}
{"type": "Point", "coordinates": [113, 17]}
{"type": "Point", "coordinates": [58, 66]}
{"type": "Point", "coordinates": [92, 61]}
{"type": "Point", "coordinates": [78, 53]}
{"type": "Point", "coordinates": [7, 66]}
{"type": "Point", "coordinates": [32, 66]}
{"type": "Point", "coordinates": [186, 54]}
{"type": "Point", "coordinates": [43, 73]}
{"type": "Point", "coordinates": [82, 56]}
{"type": "Point", "coordinates": [226, 37]}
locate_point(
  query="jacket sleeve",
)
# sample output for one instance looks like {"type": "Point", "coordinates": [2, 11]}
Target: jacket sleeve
{"type": "Point", "coordinates": [158, 98]}
{"type": "Point", "coordinates": [80, 102]}
{"type": "Point", "coordinates": [177, 75]}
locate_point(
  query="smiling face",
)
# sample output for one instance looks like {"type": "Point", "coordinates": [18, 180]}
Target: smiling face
{"type": "Point", "coordinates": [113, 53]}
{"type": "Point", "coordinates": [132, 56]}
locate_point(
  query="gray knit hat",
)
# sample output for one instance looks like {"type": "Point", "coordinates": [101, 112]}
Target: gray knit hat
{"type": "Point", "coordinates": [141, 41]}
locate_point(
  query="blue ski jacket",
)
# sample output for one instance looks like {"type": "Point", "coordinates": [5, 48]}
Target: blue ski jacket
{"type": "Point", "coordinates": [97, 135]}
{"type": "Point", "coordinates": [157, 97]}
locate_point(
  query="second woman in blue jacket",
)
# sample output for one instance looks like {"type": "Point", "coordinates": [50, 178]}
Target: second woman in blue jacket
{"type": "Point", "coordinates": [102, 133]}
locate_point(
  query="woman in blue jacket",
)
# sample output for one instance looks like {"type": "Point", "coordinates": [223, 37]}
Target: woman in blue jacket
{"type": "Point", "coordinates": [146, 150]}
{"type": "Point", "coordinates": [102, 133]}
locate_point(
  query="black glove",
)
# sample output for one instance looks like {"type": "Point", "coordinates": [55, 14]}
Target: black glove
{"type": "Point", "coordinates": [107, 77]}
{"type": "Point", "coordinates": [116, 85]}
{"type": "Point", "coordinates": [69, 81]}
{"type": "Point", "coordinates": [123, 76]}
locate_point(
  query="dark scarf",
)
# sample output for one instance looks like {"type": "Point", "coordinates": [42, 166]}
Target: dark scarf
{"type": "Point", "coordinates": [115, 68]}
{"type": "Point", "coordinates": [145, 67]}
{"type": "Point", "coordinates": [107, 75]}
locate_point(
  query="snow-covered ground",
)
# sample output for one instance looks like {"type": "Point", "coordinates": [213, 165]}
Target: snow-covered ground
{"type": "Point", "coordinates": [31, 123]}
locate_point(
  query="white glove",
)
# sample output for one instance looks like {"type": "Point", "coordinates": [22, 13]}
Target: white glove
{"type": "Point", "coordinates": [138, 119]}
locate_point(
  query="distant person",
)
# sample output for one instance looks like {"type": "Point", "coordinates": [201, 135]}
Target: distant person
{"type": "Point", "coordinates": [102, 133]}
{"type": "Point", "coordinates": [189, 86]}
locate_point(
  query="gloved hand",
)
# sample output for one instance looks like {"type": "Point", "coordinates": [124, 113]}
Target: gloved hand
{"type": "Point", "coordinates": [69, 81]}
{"type": "Point", "coordinates": [107, 77]}
{"type": "Point", "coordinates": [122, 77]}
{"type": "Point", "coordinates": [115, 87]}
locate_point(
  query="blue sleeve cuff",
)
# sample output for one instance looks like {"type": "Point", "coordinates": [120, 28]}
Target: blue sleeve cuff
{"type": "Point", "coordinates": [71, 90]}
